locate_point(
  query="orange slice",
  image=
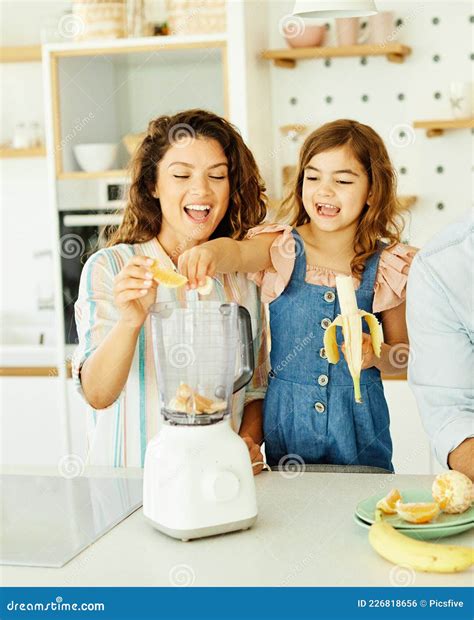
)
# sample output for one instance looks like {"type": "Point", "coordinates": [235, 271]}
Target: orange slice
{"type": "Point", "coordinates": [167, 277]}
{"type": "Point", "coordinates": [387, 503]}
{"type": "Point", "coordinates": [421, 512]}
{"type": "Point", "coordinates": [453, 491]}
{"type": "Point", "coordinates": [206, 289]}
{"type": "Point", "coordinates": [201, 403]}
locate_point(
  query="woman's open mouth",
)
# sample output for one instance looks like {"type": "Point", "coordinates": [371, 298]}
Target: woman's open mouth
{"type": "Point", "coordinates": [326, 210]}
{"type": "Point", "coordinates": [198, 213]}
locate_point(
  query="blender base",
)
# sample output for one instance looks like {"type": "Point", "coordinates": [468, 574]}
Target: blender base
{"type": "Point", "coordinates": [202, 532]}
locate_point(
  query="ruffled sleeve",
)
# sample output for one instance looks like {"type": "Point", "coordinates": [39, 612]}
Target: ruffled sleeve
{"type": "Point", "coordinates": [392, 276]}
{"type": "Point", "coordinates": [273, 281]}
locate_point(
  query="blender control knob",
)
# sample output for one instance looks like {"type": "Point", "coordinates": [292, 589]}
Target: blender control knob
{"type": "Point", "coordinates": [222, 486]}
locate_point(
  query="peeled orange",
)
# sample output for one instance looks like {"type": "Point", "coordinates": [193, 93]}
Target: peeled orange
{"type": "Point", "coordinates": [167, 277]}
{"type": "Point", "coordinates": [453, 491]}
{"type": "Point", "coordinates": [387, 503]}
{"type": "Point", "coordinates": [421, 512]}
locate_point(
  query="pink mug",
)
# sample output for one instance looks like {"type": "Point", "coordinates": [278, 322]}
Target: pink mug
{"type": "Point", "coordinates": [382, 29]}
{"type": "Point", "coordinates": [349, 31]}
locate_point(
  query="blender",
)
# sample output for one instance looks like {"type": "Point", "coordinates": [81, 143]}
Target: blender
{"type": "Point", "coordinates": [198, 478]}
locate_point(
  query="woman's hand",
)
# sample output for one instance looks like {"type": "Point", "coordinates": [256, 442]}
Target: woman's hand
{"type": "Point", "coordinates": [369, 358]}
{"type": "Point", "coordinates": [197, 263]}
{"type": "Point", "coordinates": [135, 291]}
{"type": "Point", "coordinates": [256, 455]}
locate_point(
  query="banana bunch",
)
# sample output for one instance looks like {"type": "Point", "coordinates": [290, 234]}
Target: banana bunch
{"type": "Point", "coordinates": [350, 320]}
{"type": "Point", "coordinates": [419, 555]}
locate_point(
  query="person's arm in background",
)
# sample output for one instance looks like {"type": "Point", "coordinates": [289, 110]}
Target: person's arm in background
{"type": "Point", "coordinates": [440, 370]}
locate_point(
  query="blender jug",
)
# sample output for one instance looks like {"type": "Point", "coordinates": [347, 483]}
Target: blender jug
{"type": "Point", "coordinates": [198, 477]}
{"type": "Point", "coordinates": [203, 354]}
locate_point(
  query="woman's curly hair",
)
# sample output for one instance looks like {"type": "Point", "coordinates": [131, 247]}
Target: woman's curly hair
{"type": "Point", "coordinates": [247, 200]}
{"type": "Point", "coordinates": [380, 220]}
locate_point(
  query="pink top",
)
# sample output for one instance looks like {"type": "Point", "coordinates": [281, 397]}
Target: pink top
{"type": "Point", "coordinates": [390, 284]}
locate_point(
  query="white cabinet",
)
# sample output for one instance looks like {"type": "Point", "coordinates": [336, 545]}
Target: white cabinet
{"type": "Point", "coordinates": [32, 421]}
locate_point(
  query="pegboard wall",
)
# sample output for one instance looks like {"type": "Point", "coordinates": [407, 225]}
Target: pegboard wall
{"type": "Point", "coordinates": [390, 97]}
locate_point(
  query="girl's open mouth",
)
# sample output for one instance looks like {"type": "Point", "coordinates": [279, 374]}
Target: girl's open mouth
{"type": "Point", "coordinates": [326, 210]}
{"type": "Point", "coordinates": [198, 213]}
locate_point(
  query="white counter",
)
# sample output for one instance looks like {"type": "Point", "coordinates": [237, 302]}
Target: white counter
{"type": "Point", "coordinates": [304, 536]}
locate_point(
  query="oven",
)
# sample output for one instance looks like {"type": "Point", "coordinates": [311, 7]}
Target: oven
{"type": "Point", "coordinates": [82, 232]}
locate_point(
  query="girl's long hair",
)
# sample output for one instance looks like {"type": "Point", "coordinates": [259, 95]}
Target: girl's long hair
{"type": "Point", "coordinates": [247, 200]}
{"type": "Point", "coordinates": [379, 221]}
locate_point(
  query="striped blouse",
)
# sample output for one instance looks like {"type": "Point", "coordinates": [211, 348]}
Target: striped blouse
{"type": "Point", "coordinates": [117, 436]}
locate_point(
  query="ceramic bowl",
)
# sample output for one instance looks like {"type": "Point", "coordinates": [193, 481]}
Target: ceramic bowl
{"type": "Point", "coordinates": [96, 157]}
{"type": "Point", "coordinates": [309, 36]}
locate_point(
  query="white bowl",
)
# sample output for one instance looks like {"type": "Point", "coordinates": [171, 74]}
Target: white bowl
{"type": "Point", "coordinates": [96, 157]}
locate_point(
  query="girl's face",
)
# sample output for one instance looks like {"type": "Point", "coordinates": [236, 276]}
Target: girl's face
{"type": "Point", "coordinates": [193, 188]}
{"type": "Point", "coordinates": [335, 189]}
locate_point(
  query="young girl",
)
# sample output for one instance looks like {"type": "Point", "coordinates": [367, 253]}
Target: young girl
{"type": "Point", "coordinates": [192, 179]}
{"type": "Point", "coordinates": [345, 223]}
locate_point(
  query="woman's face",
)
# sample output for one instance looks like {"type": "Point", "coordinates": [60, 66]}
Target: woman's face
{"type": "Point", "coordinates": [335, 189]}
{"type": "Point", "coordinates": [193, 188]}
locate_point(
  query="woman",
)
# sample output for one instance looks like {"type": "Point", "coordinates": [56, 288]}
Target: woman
{"type": "Point", "coordinates": [192, 179]}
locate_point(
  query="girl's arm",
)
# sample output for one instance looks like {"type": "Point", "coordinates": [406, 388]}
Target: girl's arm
{"type": "Point", "coordinates": [393, 359]}
{"type": "Point", "coordinates": [226, 256]}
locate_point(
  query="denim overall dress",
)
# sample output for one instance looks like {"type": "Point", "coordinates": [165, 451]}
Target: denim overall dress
{"type": "Point", "coordinates": [309, 408]}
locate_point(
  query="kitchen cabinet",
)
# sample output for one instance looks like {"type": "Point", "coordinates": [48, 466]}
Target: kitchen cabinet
{"type": "Point", "coordinates": [102, 93]}
{"type": "Point", "coordinates": [32, 421]}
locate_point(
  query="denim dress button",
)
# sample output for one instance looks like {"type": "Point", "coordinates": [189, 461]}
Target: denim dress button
{"type": "Point", "coordinates": [322, 353]}
{"type": "Point", "coordinates": [329, 297]}
{"type": "Point", "coordinates": [325, 323]}
{"type": "Point", "coordinates": [320, 408]}
{"type": "Point", "coordinates": [323, 380]}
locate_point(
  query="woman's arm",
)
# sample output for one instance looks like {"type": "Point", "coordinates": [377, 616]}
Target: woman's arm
{"type": "Point", "coordinates": [251, 431]}
{"type": "Point", "coordinates": [226, 256]}
{"type": "Point", "coordinates": [104, 373]}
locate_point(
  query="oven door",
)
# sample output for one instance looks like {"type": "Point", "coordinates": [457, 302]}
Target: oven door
{"type": "Point", "coordinates": [81, 234]}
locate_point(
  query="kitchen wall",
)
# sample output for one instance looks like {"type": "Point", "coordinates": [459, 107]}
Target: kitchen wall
{"type": "Point", "coordinates": [389, 97]}
{"type": "Point", "coordinates": [25, 227]}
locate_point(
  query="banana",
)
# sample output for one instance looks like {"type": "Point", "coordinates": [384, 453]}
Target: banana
{"type": "Point", "coordinates": [419, 555]}
{"type": "Point", "coordinates": [350, 320]}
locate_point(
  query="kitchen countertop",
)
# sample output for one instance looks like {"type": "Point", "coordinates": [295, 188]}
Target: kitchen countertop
{"type": "Point", "coordinates": [304, 536]}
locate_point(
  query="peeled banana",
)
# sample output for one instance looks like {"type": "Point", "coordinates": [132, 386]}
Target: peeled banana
{"type": "Point", "coordinates": [419, 555]}
{"type": "Point", "coordinates": [350, 320]}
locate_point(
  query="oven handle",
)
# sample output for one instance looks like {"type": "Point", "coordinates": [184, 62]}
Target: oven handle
{"type": "Point", "coordinates": [92, 220]}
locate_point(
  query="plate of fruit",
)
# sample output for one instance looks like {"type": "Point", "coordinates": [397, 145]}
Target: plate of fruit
{"type": "Point", "coordinates": [448, 504]}
{"type": "Point", "coordinates": [396, 518]}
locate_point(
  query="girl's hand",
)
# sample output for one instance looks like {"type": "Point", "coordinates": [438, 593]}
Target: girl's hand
{"type": "Point", "coordinates": [256, 455]}
{"type": "Point", "coordinates": [135, 291]}
{"type": "Point", "coordinates": [197, 263]}
{"type": "Point", "coordinates": [368, 356]}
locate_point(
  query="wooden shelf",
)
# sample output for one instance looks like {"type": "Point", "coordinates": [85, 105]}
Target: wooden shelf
{"type": "Point", "coordinates": [437, 128]}
{"type": "Point", "coordinates": [80, 174]}
{"type": "Point", "coordinates": [7, 152]}
{"type": "Point", "coordinates": [23, 53]}
{"type": "Point", "coordinates": [287, 58]}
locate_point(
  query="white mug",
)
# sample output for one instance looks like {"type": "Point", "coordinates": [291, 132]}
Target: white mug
{"type": "Point", "coordinates": [461, 99]}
